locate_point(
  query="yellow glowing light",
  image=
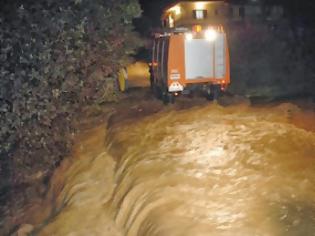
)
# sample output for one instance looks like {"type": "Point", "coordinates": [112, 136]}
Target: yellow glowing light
{"type": "Point", "coordinates": [176, 9]}
{"type": "Point", "coordinates": [197, 28]}
{"type": "Point", "coordinates": [189, 36]}
{"type": "Point", "coordinates": [211, 34]}
{"type": "Point", "coordinates": [200, 5]}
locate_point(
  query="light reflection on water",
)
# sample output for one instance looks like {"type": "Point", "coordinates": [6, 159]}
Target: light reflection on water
{"type": "Point", "coordinates": [203, 171]}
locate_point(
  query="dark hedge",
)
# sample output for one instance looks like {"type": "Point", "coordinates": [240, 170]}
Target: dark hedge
{"type": "Point", "coordinates": [49, 54]}
{"type": "Point", "coordinates": [271, 59]}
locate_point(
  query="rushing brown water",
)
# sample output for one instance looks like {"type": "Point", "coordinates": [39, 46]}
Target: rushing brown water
{"type": "Point", "coordinates": [204, 171]}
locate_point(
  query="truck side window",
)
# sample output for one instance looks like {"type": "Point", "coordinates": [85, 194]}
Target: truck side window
{"type": "Point", "coordinates": [200, 14]}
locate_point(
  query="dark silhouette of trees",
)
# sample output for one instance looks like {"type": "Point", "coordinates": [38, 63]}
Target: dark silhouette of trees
{"type": "Point", "coordinates": [48, 51]}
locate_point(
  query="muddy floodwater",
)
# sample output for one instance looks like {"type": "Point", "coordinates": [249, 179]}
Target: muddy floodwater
{"type": "Point", "coordinates": [208, 170]}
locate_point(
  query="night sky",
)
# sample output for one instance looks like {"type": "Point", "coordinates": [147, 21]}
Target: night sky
{"type": "Point", "coordinates": [152, 9]}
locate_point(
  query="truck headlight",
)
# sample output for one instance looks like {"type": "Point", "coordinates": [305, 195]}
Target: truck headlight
{"type": "Point", "coordinates": [189, 36]}
{"type": "Point", "coordinates": [211, 35]}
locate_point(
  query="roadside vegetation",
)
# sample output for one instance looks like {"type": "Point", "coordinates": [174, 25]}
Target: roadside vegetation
{"type": "Point", "coordinates": [57, 58]}
{"type": "Point", "coordinates": [275, 59]}
{"type": "Point", "coordinates": [271, 61]}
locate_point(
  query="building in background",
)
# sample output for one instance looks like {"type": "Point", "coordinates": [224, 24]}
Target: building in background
{"type": "Point", "coordinates": [185, 13]}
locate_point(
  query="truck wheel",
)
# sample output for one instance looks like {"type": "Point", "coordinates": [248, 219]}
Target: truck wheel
{"type": "Point", "coordinates": [213, 92]}
{"type": "Point", "coordinates": [165, 97]}
{"type": "Point", "coordinates": [216, 92]}
{"type": "Point", "coordinates": [209, 94]}
{"type": "Point", "coordinates": [168, 98]}
{"type": "Point", "coordinates": [156, 91]}
{"type": "Point", "coordinates": [171, 98]}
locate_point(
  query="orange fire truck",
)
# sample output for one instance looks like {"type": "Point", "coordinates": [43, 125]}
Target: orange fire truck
{"type": "Point", "coordinates": [189, 58]}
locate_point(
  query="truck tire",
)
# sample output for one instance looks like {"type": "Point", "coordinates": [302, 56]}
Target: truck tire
{"type": "Point", "coordinates": [209, 94]}
{"type": "Point", "coordinates": [213, 92]}
{"type": "Point", "coordinates": [165, 97]}
{"type": "Point", "coordinates": [171, 98]}
{"type": "Point", "coordinates": [157, 91]}
{"type": "Point", "coordinates": [168, 98]}
{"type": "Point", "coordinates": [216, 92]}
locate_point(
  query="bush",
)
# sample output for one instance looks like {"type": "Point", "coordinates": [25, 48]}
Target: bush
{"type": "Point", "coordinates": [270, 61]}
{"type": "Point", "coordinates": [49, 52]}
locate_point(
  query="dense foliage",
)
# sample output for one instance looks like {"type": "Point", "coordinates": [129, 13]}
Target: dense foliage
{"type": "Point", "coordinates": [272, 60]}
{"type": "Point", "coordinates": [55, 58]}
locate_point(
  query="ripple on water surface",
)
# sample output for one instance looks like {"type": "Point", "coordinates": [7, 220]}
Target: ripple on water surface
{"type": "Point", "coordinates": [204, 171]}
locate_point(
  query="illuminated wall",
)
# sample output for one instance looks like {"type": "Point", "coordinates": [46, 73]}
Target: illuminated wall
{"type": "Point", "coordinates": [186, 13]}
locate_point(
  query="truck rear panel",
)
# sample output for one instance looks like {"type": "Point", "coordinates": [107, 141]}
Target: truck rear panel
{"type": "Point", "coordinates": [182, 59]}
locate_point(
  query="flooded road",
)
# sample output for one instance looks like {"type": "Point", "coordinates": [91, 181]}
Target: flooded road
{"type": "Point", "coordinates": [207, 170]}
